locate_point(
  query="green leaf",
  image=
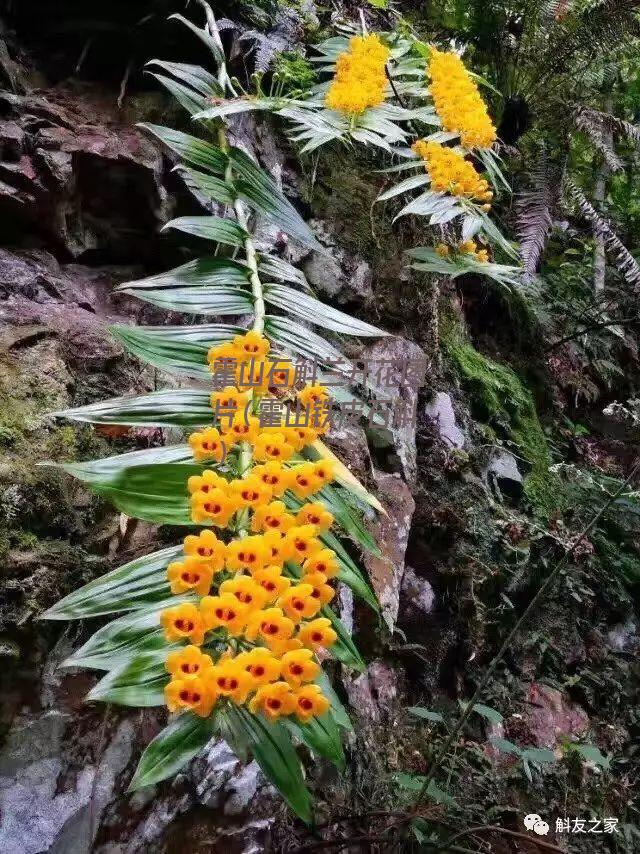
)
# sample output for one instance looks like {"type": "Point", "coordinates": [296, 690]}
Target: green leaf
{"type": "Point", "coordinates": [338, 711]}
{"type": "Point", "coordinates": [495, 235]}
{"type": "Point", "coordinates": [233, 106]}
{"type": "Point", "coordinates": [177, 349]}
{"type": "Point", "coordinates": [487, 712]}
{"type": "Point", "coordinates": [138, 584]}
{"type": "Point", "coordinates": [592, 754]}
{"type": "Point", "coordinates": [202, 286]}
{"type": "Point", "coordinates": [191, 75]}
{"type": "Point", "coordinates": [345, 477]}
{"type": "Point", "coordinates": [169, 751]}
{"type": "Point", "coordinates": [211, 187]}
{"type": "Point", "coordinates": [261, 192]}
{"type": "Point", "coordinates": [321, 735]}
{"type": "Point", "coordinates": [505, 746]}
{"type": "Point", "coordinates": [140, 682]}
{"type": "Point", "coordinates": [119, 642]}
{"type": "Point", "coordinates": [414, 783]}
{"type": "Point", "coordinates": [344, 648]}
{"type": "Point", "coordinates": [419, 712]}
{"type": "Point", "coordinates": [189, 148]}
{"type": "Point", "coordinates": [350, 521]}
{"type": "Point", "coordinates": [155, 493]}
{"type": "Point", "coordinates": [191, 101]}
{"type": "Point", "coordinates": [217, 299]}
{"type": "Point", "coordinates": [202, 34]}
{"type": "Point", "coordinates": [316, 312]}
{"type": "Point", "coordinates": [272, 749]}
{"type": "Point", "coordinates": [166, 408]}
{"type": "Point", "coordinates": [215, 228]}
{"type": "Point", "coordinates": [197, 273]}
{"type": "Point", "coordinates": [539, 755]}
{"type": "Point", "coordinates": [428, 261]}
{"type": "Point", "coordinates": [411, 183]}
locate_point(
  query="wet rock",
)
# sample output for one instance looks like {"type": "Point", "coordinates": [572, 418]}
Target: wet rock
{"type": "Point", "coordinates": [391, 533]}
{"type": "Point", "coordinates": [80, 181]}
{"type": "Point", "coordinates": [440, 411]}
{"type": "Point", "coordinates": [624, 636]}
{"type": "Point", "coordinates": [342, 277]}
{"type": "Point", "coordinates": [418, 596]}
{"type": "Point", "coordinates": [550, 716]}
{"type": "Point", "coordinates": [397, 368]}
{"type": "Point", "coordinates": [373, 693]}
{"type": "Point", "coordinates": [502, 471]}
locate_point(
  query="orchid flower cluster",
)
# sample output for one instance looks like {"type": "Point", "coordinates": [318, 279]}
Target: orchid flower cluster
{"type": "Point", "coordinates": [254, 633]}
{"type": "Point", "coordinates": [360, 78]}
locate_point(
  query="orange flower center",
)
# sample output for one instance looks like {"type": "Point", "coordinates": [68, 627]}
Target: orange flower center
{"type": "Point", "coordinates": [305, 704]}
{"type": "Point", "coordinates": [190, 577]}
{"type": "Point", "coordinates": [190, 667]}
{"type": "Point", "coordinates": [317, 637]}
{"type": "Point", "coordinates": [203, 551]}
{"type": "Point", "coordinates": [269, 628]}
{"type": "Point", "coordinates": [296, 669]}
{"type": "Point", "coordinates": [274, 703]}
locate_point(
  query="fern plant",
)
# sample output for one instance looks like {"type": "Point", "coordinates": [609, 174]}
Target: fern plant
{"type": "Point", "coordinates": [225, 628]}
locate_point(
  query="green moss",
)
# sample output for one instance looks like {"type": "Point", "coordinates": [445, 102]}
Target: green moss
{"type": "Point", "coordinates": [500, 398]}
{"type": "Point", "coordinates": [293, 73]}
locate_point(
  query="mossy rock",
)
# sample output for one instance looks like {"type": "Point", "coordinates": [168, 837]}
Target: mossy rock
{"type": "Point", "coordinates": [500, 399]}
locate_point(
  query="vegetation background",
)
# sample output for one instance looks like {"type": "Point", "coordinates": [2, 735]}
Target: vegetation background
{"type": "Point", "coordinates": [526, 423]}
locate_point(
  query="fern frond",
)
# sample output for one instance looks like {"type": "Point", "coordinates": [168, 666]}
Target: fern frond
{"type": "Point", "coordinates": [589, 122]}
{"type": "Point", "coordinates": [608, 122]}
{"type": "Point", "coordinates": [535, 213]}
{"type": "Point", "coordinates": [625, 261]}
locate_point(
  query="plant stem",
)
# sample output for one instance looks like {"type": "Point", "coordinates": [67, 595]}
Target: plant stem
{"type": "Point", "coordinates": [553, 575]}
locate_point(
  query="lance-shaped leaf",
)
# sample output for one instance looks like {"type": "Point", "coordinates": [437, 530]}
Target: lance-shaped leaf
{"type": "Point", "coordinates": [207, 185]}
{"type": "Point", "coordinates": [338, 711]}
{"type": "Point", "coordinates": [137, 585]}
{"type": "Point", "coordinates": [316, 312]}
{"type": "Point", "coordinates": [411, 183]}
{"type": "Point", "coordinates": [214, 228]}
{"type": "Point", "coordinates": [191, 75]}
{"type": "Point", "coordinates": [321, 735]}
{"type": "Point", "coordinates": [140, 682]}
{"type": "Point", "coordinates": [170, 751]}
{"type": "Point", "coordinates": [272, 749]}
{"type": "Point", "coordinates": [215, 300]}
{"type": "Point", "coordinates": [115, 645]}
{"type": "Point", "coordinates": [202, 34]}
{"type": "Point", "coordinates": [155, 493]}
{"type": "Point", "coordinates": [261, 192]}
{"type": "Point", "coordinates": [345, 477]}
{"type": "Point", "coordinates": [170, 407]}
{"type": "Point", "coordinates": [233, 106]}
{"type": "Point", "coordinates": [428, 261]}
{"type": "Point", "coordinates": [190, 100]}
{"type": "Point", "coordinates": [344, 648]}
{"type": "Point", "coordinates": [189, 148]}
{"type": "Point", "coordinates": [199, 272]}
{"type": "Point", "coordinates": [177, 349]}
{"type": "Point", "coordinates": [306, 343]}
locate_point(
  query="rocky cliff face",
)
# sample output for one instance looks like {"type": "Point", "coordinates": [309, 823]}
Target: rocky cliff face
{"type": "Point", "coordinates": [83, 196]}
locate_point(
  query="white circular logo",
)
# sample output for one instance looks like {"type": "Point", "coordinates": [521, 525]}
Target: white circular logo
{"type": "Point", "coordinates": [534, 822]}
